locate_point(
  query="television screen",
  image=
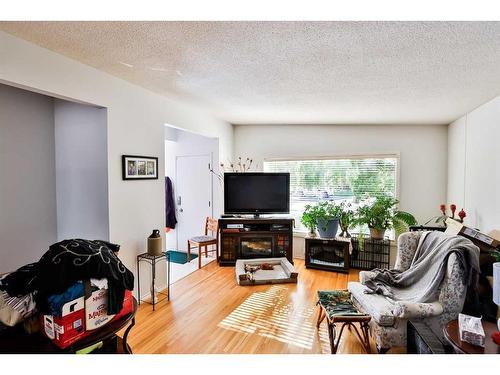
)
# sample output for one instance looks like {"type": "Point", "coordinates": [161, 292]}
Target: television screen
{"type": "Point", "coordinates": [256, 193]}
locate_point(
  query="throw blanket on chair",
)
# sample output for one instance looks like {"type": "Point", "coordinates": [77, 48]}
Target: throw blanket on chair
{"type": "Point", "coordinates": [421, 282]}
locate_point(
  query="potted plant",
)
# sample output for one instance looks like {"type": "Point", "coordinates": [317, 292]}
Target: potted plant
{"type": "Point", "coordinates": [382, 214]}
{"type": "Point", "coordinates": [308, 219]}
{"type": "Point", "coordinates": [347, 218]}
{"type": "Point", "coordinates": [327, 218]}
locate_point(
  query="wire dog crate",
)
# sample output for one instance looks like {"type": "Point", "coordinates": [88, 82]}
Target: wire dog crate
{"type": "Point", "coordinates": [368, 253]}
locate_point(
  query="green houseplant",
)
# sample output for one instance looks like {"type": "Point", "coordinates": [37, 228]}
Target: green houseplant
{"type": "Point", "coordinates": [324, 216]}
{"type": "Point", "coordinates": [382, 214]}
{"type": "Point", "coordinates": [327, 215]}
{"type": "Point", "coordinates": [308, 219]}
{"type": "Point", "coordinates": [347, 218]}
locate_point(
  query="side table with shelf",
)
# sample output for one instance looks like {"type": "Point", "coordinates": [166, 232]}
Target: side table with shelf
{"type": "Point", "coordinates": [369, 253]}
{"type": "Point", "coordinates": [153, 260]}
{"type": "Point", "coordinates": [330, 254]}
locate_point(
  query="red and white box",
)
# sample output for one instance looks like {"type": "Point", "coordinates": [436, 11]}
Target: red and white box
{"type": "Point", "coordinates": [82, 316]}
{"type": "Point", "coordinates": [68, 328]}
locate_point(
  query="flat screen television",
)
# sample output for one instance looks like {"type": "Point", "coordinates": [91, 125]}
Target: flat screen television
{"type": "Point", "coordinates": [256, 193]}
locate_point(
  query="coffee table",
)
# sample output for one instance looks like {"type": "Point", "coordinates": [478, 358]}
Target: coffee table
{"type": "Point", "coordinates": [336, 306]}
{"type": "Point", "coordinates": [451, 334]}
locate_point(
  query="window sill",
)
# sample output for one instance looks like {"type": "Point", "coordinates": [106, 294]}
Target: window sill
{"type": "Point", "coordinates": [300, 234]}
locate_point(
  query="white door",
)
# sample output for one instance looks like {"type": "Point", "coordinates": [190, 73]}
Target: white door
{"type": "Point", "coordinates": [193, 197]}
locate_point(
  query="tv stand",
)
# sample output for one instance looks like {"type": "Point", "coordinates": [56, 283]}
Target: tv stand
{"type": "Point", "coordinates": [247, 238]}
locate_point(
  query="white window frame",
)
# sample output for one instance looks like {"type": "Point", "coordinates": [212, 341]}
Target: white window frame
{"type": "Point", "coordinates": [392, 155]}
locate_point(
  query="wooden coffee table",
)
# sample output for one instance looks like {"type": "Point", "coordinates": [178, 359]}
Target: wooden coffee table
{"type": "Point", "coordinates": [451, 335]}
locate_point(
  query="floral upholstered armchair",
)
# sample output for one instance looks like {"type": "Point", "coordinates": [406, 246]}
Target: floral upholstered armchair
{"type": "Point", "coordinates": [389, 318]}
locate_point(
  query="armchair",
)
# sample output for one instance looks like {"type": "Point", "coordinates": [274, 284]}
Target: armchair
{"type": "Point", "coordinates": [389, 318]}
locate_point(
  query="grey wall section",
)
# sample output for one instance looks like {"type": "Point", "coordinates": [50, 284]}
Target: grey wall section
{"type": "Point", "coordinates": [28, 222]}
{"type": "Point", "coordinates": [81, 171]}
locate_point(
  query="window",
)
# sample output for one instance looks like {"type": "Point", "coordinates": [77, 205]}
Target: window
{"type": "Point", "coordinates": [342, 179]}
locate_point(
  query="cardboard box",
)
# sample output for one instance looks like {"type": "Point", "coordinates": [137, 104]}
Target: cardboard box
{"type": "Point", "coordinates": [82, 316]}
{"type": "Point", "coordinates": [68, 328]}
{"type": "Point", "coordinates": [96, 304]}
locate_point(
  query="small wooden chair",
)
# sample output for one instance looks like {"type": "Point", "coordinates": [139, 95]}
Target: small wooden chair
{"type": "Point", "coordinates": [211, 225]}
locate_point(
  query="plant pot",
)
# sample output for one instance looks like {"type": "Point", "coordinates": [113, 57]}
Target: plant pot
{"type": "Point", "coordinates": [377, 234]}
{"type": "Point", "coordinates": [328, 228]}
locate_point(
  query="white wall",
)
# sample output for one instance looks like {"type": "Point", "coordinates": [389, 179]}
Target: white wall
{"type": "Point", "coordinates": [474, 163]}
{"type": "Point", "coordinates": [27, 181]}
{"type": "Point", "coordinates": [456, 163]}
{"type": "Point", "coordinates": [136, 119]}
{"type": "Point", "coordinates": [183, 143]}
{"type": "Point", "coordinates": [81, 171]}
{"type": "Point", "coordinates": [423, 153]}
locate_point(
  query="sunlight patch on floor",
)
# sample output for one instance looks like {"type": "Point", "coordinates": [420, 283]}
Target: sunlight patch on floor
{"type": "Point", "coordinates": [270, 314]}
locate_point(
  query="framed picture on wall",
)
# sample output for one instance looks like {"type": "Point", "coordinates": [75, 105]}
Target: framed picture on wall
{"type": "Point", "coordinates": [139, 167]}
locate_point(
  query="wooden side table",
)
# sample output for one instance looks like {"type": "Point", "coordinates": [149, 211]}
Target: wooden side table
{"type": "Point", "coordinates": [451, 334]}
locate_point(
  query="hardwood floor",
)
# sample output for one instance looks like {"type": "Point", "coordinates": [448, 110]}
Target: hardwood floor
{"type": "Point", "coordinates": [210, 313]}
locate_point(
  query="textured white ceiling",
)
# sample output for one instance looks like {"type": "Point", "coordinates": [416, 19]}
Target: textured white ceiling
{"type": "Point", "coordinates": [294, 72]}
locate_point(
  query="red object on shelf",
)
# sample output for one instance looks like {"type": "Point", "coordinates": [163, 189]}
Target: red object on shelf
{"type": "Point", "coordinates": [496, 337]}
{"type": "Point", "coordinates": [442, 207]}
{"type": "Point", "coordinates": [462, 214]}
{"type": "Point", "coordinates": [453, 208]}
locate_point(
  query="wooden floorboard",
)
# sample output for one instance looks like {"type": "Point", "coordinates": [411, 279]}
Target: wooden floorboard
{"type": "Point", "coordinates": [209, 313]}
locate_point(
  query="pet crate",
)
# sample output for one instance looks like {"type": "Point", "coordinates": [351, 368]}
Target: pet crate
{"type": "Point", "coordinates": [368, 253]}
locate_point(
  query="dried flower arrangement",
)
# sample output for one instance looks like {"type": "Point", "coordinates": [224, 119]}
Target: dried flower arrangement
{"type": "Point", "coordinates": [240, 166]}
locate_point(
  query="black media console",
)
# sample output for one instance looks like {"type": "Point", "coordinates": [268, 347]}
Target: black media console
{"type": "Point", "coordinates": [246, 238]}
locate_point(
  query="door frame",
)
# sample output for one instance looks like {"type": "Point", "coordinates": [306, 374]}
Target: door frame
{"type": "Point", "coordinates": [211, 193]}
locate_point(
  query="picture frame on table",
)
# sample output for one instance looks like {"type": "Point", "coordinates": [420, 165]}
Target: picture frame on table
{"type": "Point", "coordinates": [135, 167]}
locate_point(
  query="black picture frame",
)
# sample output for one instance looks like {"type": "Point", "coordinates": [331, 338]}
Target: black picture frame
{"type": "Point", "coordinates": [136, 167]}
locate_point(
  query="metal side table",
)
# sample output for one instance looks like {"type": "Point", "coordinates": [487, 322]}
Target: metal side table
{"type": "Point", "coordinates": [152, 260]}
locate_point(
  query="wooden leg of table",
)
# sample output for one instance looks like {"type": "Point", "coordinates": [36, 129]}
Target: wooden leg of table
{"type": "Point", "coordinates": [126, 347]}
{"type": "Point", "coordinates": [321, 317]}
{"type": "Point", "coordinates": [331, 336]}
{"type": "Point", "coordinates": [189, 252]}
{"type": "Point", "coordinates": [337, 342]}
{"type": "Point", "coordinates": [363, 336]}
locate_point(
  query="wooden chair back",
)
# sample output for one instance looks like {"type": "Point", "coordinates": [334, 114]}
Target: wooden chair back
{"type": "Point", "coordinates": [212, 225]}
